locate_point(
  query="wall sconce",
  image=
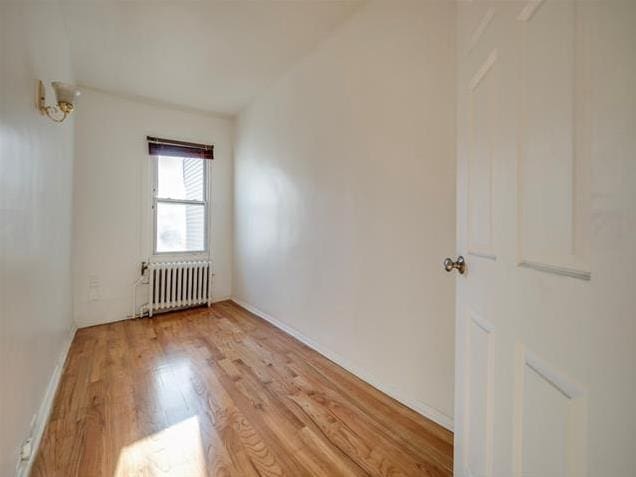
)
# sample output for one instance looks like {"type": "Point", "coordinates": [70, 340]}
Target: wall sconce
{"type": "Point", "coordinates": [66, 96]}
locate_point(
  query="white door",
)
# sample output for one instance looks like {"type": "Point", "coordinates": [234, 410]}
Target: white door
{"type": "Point", "coordinates": [546, 322]}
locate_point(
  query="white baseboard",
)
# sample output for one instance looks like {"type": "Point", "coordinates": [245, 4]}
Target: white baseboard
{"type": "Point", "coordinates": [219, 300]}
{"type": "Point", "coordinates": [44, 412]}
{"type": "Point", "coordinates": [418, 406]}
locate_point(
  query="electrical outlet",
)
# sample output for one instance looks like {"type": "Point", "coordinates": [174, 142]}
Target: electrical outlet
{"type": "Point", "coordinates": [93, 288]}
{"type": "Point", "coordinates": [27, 449]}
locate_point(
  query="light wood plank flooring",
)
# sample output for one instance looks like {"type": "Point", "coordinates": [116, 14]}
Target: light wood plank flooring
{"type": "Point", "coordinates": [220, 392]}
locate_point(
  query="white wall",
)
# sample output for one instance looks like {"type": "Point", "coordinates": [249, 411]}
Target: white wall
{"type": "Point", "coordinates": [36, 168]}
{"type": "Point", "coordinates": [112, 226]}
{"type": "Point", "coordinates": [345, 200]}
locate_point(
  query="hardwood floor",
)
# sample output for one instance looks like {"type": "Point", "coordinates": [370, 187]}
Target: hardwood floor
{"type": "Point", "coordinates": [217, 391]}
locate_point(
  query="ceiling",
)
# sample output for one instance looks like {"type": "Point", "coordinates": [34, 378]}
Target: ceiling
{"type": "Point", "coordinates": [210, 55]}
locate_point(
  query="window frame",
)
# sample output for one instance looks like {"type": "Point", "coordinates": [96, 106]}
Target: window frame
{"type": "Point", "coordinates": [156, 200]}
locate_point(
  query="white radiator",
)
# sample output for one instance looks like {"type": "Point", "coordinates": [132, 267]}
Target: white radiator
{"type": "Point", "coordinates": [179, 284]}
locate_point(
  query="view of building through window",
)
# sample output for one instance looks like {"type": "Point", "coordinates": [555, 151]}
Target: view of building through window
{"type": "Point", "coordinates": [180, 204]}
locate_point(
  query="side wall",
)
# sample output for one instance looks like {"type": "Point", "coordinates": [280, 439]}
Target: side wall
{"type": "Point", "coordinates": [36, 167]}
{"type": "Point", "coordinates": [112, 227]}
{"type": "Point", "coordinates": [345, 200]}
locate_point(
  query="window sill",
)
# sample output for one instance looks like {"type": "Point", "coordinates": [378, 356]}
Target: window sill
{"type": "Point", "coordinates": [178, 256]}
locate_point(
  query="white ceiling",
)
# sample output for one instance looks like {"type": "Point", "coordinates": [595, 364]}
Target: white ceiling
{"type": "Point", "coordinates": [211, 55]}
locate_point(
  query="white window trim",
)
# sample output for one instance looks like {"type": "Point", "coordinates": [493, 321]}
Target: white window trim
{"type": "Point", "coordinates": [205, 203]}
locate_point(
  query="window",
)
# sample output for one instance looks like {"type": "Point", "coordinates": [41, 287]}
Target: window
{"type": "Point", "coordinates": [180, 204]}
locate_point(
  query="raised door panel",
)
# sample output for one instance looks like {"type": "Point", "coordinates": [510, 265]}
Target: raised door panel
{"type": "Point", "coordinates": [482, 144]}
{"type": "Point", "coordinates": [550, 427]}
{"type": "Point", "coordinates": [479, 377]}
{"type": "Point", "coordinates": [552, 165]}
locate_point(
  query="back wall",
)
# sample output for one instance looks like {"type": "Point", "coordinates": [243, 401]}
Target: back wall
{"type": "Point", "coordinates": [112, 227]}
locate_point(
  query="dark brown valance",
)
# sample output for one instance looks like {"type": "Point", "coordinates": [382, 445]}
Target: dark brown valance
{"type": "Point", "coordinates": [170, 147]}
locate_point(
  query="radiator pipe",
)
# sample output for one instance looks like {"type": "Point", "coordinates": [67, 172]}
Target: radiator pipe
{"type": "Point", "coordinates": [134, 296]}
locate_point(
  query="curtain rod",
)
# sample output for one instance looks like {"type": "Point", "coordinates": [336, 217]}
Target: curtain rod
{"type": "Point", "coordinates": [158, 140]}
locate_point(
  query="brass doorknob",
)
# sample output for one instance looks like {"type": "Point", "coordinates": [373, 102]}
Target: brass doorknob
{"type": "Point", "coordinates": [459, 265]}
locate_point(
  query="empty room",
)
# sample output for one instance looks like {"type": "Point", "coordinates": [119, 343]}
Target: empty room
{"type": "Point", "coordinates": [328, 238]}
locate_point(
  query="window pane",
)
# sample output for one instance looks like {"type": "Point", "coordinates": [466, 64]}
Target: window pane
{"type": "Point", "coordinates": [180, 178]}
{"type": "Point", "coordinates": [180, 227]}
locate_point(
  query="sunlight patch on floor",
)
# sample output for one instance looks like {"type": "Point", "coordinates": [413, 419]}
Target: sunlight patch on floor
{"type": "Point", "coordinates": [176, 450]}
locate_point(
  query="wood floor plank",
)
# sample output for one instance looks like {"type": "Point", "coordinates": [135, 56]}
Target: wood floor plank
{"type": "Point", "coordinates": [433, 440]}
{"type": "Point", "coordinates": [219, 392]}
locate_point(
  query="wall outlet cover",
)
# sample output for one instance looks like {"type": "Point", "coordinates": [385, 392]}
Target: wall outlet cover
{"type": "Point", "coordinates": [27, 449]}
